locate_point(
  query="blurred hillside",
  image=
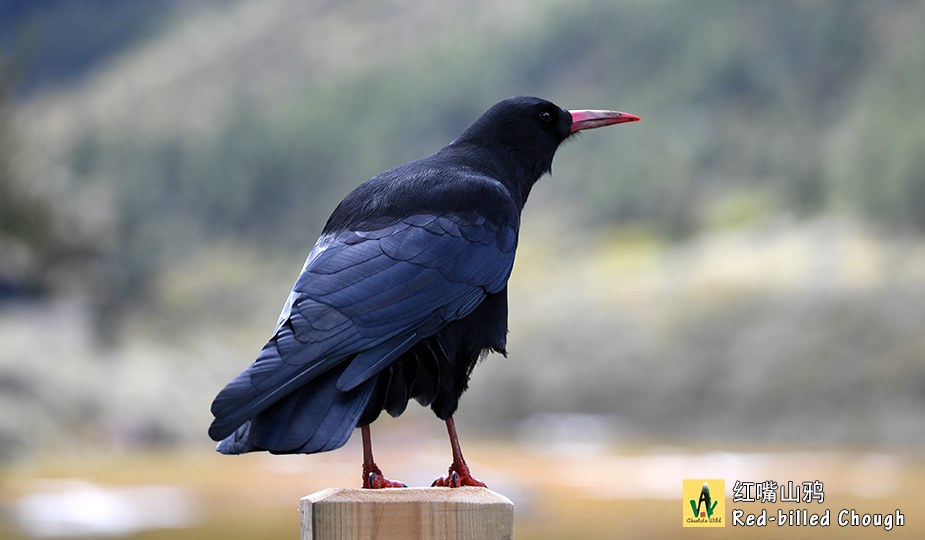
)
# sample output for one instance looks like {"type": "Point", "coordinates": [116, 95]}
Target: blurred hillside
{"type": "Point", "coordinates": [750, 252]}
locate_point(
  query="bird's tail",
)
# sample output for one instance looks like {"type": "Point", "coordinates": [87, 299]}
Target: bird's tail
{"type": "Point", "coordinates": [287, 401]}
{"type": "Point", "coordinates": [315, 418]}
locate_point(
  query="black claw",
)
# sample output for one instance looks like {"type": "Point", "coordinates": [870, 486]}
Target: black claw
{"type": "Point", "coordinates": [369, 481]}
{"type": "Point", "coordinates": [454, 479]}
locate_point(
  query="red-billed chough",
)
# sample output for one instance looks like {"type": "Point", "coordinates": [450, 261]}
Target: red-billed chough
{"type": "Point", "coordinates": [403, 293]}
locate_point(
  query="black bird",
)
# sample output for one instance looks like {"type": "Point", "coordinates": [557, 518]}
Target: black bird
{"type": "Point", "coordinates": [402, 295]}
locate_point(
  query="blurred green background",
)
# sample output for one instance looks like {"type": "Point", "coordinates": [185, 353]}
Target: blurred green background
{"type": "Point", "coordinates": [739, 278]}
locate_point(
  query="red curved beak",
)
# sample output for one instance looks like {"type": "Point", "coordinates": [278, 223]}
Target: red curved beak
{"type": "Point", "coordinates": [588, 119]}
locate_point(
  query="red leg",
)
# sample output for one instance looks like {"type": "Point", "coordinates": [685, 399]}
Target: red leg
{"type": "Point", "coordinates": [372, 476]}
{"type": "Point", "coordinates": [458, 473]}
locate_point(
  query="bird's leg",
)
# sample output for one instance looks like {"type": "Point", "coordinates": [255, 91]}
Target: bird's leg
{"type": "Point", "coordinates": [372, 476]}
{"type": "Point", "coordinates": [458, 473]}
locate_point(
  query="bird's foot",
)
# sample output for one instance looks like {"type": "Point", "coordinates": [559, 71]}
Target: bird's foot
{"type": "Point", "coordinates": [458, 476]}
{"type": "Point", "coordinates": [373, 479]}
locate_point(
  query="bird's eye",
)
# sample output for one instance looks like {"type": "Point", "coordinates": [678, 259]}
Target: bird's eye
{"type": "Point", "coordinates": [546, 117]}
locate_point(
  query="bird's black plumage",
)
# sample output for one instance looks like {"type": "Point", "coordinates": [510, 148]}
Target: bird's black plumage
{"type": "Point", "coordinates": [402, 294]}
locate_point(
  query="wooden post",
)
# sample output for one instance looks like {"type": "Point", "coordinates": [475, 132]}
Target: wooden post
{"type": "Point", "coordinates": [464, 513]}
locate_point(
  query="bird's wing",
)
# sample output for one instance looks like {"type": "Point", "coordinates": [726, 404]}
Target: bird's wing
{"type": "Point", "coordinates": [367, 297]}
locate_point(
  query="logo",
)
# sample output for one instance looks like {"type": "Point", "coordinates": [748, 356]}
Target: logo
{"type": "Point", "coordinates": [704, 503]}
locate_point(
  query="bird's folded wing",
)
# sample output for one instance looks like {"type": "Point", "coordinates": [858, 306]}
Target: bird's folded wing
{"type": "Point", "coordinates": [367, 297]}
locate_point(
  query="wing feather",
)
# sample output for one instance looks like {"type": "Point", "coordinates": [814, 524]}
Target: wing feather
{"type": "Point", "coordinates": [362, 299]}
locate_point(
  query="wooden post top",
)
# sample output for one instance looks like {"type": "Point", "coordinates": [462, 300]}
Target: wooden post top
{"type": "Point", "coordinates": [465, 513]}
{"type": "Point", "coordinates": [469, 495]}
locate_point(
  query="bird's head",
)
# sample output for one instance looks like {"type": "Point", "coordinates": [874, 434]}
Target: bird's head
{"type": "Point", "coordinates": [526, 131]}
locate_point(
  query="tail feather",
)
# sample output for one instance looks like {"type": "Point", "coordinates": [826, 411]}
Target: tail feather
{"type": "Point", "coordinates": [274, 375]}
{"type": "Point", "coordinates": [316, 418]}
